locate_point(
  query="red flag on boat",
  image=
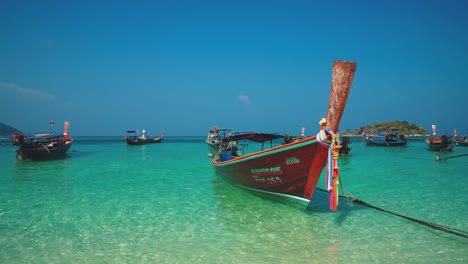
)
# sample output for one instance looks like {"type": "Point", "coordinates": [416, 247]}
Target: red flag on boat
{"type": "Point", "coordinates": [66, 126]}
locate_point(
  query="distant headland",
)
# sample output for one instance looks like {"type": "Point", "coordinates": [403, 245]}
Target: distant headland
{"type": "Point", "coordinates": [403, 127]}
{"type": "Point", "coordinates": [6, 130]}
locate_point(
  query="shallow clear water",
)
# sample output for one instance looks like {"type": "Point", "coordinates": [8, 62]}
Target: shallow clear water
{"type": "Point", "coordinates": [112, 203]}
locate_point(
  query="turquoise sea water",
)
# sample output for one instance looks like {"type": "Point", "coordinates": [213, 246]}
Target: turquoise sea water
{"type": "Point", "coordinates": [162, 203]}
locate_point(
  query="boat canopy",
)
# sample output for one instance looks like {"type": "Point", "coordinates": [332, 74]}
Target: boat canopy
{"type": "Point", "coordinates": [39, 137]}
{"type": "Point", "coordinates": [256, 137]}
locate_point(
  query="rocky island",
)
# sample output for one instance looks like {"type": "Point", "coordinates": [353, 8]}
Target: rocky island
{"type": "Point", "coordinates": [403, 127]}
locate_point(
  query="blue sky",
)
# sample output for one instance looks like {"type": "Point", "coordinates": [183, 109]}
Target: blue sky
{"type": "Point", "coordinates": [186, 66]}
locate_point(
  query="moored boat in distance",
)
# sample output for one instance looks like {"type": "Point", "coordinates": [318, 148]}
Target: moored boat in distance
{"type": "Point", "coordinates": [133, 137]}
{"type": "Point", "coordinates": [345, 149]}
{"type": "Point", "coordinates": [439, 143]}
{"type": "Point", "coordinates": [459, 140]}
{"type": "Point", "coordinates": [290, 138]}
{"type": "Point", "coordinates": [388, 139]}
{"type": "Point", "coordinates": [213, 139]}
{"type": "Point", "coordinates": [292, 170]}
{"type": "Point", "coordinates": [42, 145]}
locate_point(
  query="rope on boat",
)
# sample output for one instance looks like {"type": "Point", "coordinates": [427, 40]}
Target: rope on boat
{"type": "Point", "coordinates": [45, 148]}
{"type": "Point", "coordinates": [438, 158]}
{"type": "Point", "coordinates": [447, 229]}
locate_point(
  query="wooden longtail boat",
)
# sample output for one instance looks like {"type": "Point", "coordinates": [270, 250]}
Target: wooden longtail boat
{"type": "Point", "coordinates": [439, 143]}
{"type": "Point", "coordinates": [135, 138]}
{"type": "Point", "coordinates": [292, 170]}
{"type": "Point", "coordinates": [214, 138]}
{"type": "Point", "coordinates": [387, 139]}
{"type": "Point", "coordinates": [44, 145]}
{"type": "Point", "coordinates": [459, 140]}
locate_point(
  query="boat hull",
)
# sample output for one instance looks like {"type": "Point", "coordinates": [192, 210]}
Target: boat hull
{"type": "Point", "coordinates": [383, 143]}
{"type": "Point", "coordinates": [437, 144]}
{"type": "Point", "coordinates": [43, 152]}
{"type": "Point", "coordinates": [460, 141]}
{"type": "Point", "coordinates": [286, 169]}
{"type": "Point", "coordinates": [139, 141]}
{"type": "Point", "coordinates": [134, 141]}
{"type": "Point", "coordinates": [153, 140]}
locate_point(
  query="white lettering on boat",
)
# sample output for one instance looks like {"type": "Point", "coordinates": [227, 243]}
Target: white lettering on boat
{"type": "Point", "coordinates": [292, 160]}
{"type": "Point", "coordinates": [268, 175]}
{"type": "Point", "coordinates": [267, 171]}
{"type": "Point", "coordinates": [269, 180]}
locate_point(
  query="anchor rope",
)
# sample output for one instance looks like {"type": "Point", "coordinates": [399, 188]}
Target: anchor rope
{"type": "Point", "coordinates": [446, 229]}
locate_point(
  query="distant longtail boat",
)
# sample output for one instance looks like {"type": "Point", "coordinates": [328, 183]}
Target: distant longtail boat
{"type": "Point", "coordinates": [439, 143]}
{"type": "Point", "coordinates": [43, 145]}
{"type": "Point", "coordinates": [459, 140]}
